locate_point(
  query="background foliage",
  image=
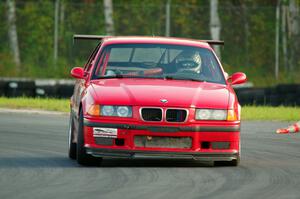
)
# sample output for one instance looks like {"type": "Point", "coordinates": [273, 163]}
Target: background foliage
{"type": "Point", "coordinates": [248, 29]}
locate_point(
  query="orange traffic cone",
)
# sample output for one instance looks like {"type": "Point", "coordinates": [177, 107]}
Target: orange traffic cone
{"type": "Point", "coordinates": [295, 128]}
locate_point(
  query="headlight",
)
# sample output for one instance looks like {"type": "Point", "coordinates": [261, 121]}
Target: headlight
{"type": "Point", "coordinates": [203, 114]}
{"type": "Point", "coordinates": [219, 115]}
{"type": "Point", "coordinates": [107, 110]}
{"type": "Point", "coordinates": [123, 111]}
{"type": "Point", "coordinates": [120, 111]}
{"type": "Point", "coordinates": [211, 114]}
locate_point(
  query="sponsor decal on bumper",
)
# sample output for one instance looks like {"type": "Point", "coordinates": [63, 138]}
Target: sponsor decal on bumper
{"type": "Point", "coordinates": [105, 132]}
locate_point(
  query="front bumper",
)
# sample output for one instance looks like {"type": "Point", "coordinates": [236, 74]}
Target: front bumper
{"type": "Point", "coordinates": [201, 140]}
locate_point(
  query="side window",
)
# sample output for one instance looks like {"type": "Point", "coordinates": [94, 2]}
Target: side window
{"type": "Point", "coordinates": [100, 63]}
{"type": "Point", "coordinates": [211, 67]}
{"type": "Point", "coordinates": [91, 59]}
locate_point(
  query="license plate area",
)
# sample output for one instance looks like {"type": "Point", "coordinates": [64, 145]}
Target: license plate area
{"type": "Point", "coordinates": [163, 142]}
{"type": "Point", "coordinates": [105, 132]}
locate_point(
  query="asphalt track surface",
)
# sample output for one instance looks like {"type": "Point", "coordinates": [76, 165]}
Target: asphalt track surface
{"type": "Point", "coordinates": [34, 164]}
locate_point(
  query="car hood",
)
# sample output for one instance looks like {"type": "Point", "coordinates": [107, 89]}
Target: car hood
{"type": "Point", "coordinates": [150, 92]}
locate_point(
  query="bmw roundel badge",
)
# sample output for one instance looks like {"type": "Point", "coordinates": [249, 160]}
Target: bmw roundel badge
{"type": "Point", "coordinates": [164, 100]}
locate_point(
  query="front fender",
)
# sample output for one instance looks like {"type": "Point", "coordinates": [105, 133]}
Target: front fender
{"type": "Point", "coordinates": [87, 99]}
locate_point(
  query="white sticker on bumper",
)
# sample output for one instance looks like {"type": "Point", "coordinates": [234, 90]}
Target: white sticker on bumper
{"type": "Point", "coordinates": [105, 132]}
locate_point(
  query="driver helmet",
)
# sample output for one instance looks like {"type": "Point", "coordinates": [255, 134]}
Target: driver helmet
{"type": "Point", "coordinates": [189, 60]}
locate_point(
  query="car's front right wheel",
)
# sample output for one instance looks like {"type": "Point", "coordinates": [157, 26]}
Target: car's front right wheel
{"type": "Point", "coordinates": [82, 157]}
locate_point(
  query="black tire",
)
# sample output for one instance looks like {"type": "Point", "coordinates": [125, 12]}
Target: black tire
{"type": "Point", "coordinates": [82, 157]}
{"type": "Point", "coordinates": [72, 145]}
{"type": "Point", "coordinates": [232, 163]}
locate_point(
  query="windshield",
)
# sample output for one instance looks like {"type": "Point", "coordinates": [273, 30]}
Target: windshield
{"type": "Point", "coordinates": [158, 61]}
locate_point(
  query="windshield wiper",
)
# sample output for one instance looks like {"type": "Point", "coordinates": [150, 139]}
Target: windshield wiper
{"type": "Point", "coordinates": [182, 78]}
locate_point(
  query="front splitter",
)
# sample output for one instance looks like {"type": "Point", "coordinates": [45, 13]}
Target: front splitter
{"type": "Point", "coordinates": [135, 154]}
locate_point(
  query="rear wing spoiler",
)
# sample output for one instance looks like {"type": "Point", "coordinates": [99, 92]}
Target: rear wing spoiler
{"type": "Point", "coordinates": [89, 37]}
{"type": "Point", "coordinates": [100, 37]}
{"type": "Point", "coordinates": [213, 42]}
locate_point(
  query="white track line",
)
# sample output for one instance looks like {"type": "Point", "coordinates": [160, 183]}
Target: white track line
{"type": "Point", "coordinates": [31, 111]}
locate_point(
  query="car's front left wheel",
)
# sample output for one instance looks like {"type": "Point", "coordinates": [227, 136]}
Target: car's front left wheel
{"type": "Point", "coordinates": [71, 144]}
{"type": "Point", "coordinates": [82, 157]}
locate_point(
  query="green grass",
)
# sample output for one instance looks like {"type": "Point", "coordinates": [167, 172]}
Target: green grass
{"type": "Point", "coordinates": [280, 113]}
{"type": "Point", "coordinates": [49, 104]}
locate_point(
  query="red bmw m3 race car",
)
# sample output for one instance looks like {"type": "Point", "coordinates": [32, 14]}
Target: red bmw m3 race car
{"type": "Point", "coordinates": [154, 97]}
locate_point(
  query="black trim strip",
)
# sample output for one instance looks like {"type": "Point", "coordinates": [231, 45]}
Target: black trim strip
{"type": "Point", "coordinates": [167, 129]}
{"type": "Point", "coordinates": [161, 154]}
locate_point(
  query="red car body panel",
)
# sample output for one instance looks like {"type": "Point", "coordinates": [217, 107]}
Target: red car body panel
{"type": "Point", "coordinates": [138, 93]}
{"type": "Point", "coordinates": [149, 92]}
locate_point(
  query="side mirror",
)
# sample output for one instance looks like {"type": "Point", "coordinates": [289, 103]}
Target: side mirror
{"type": "Point", "coordinates": [77, 72]}
{"type": "Point", "coordinates": [238, 78]}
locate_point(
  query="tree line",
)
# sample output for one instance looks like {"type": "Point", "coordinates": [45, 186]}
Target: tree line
{"type": "Point", "coordinates": [262, 37]}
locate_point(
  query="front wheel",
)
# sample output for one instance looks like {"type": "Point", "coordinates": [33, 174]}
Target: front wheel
{"type": "Point", "coordinates": [71, 144]}
{"type": "Point", "coordinates": [82, 157]}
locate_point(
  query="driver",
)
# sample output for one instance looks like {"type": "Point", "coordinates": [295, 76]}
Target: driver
{"type": "Point", "coordinates": [189, 61]}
